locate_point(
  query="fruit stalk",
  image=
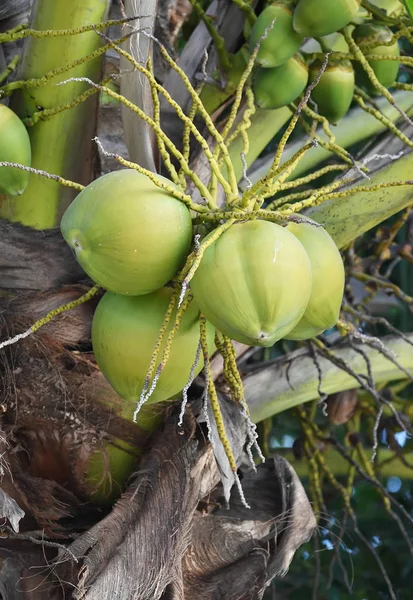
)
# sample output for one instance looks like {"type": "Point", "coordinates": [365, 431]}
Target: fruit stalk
{"type": "Point", "coordinates": [61, 144]}
{"type": "Point", "coordinates": [354, 128]}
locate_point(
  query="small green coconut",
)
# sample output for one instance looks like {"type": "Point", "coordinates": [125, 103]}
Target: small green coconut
{"type": "Point", "coordinates": [370, 37]}
{"type": "Point", "coordinates": [316, 18]}
{"type": "Point", "coordinates": [14, 148]}
{"type": "Point", "coordinates": [281, 42]}
{"type": "Point", "coordinates": [124, 333]}
{"type": "Point", "coordinates": [274, 88]}
{"type": "Point", "coordinates": [334, 92]}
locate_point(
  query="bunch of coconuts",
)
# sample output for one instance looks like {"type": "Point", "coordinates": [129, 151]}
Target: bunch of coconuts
{"type": "Point", "coordinates": [256, 283]}
{"type": "Point", "coordinates": [284, 73]}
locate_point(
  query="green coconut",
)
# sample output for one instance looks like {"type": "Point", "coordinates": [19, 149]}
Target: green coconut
{"type": "Point", "coordinates": [15, 148]}
{"type": "Point", "coordinates": [124, 332]}
{"type": "Point", "coordinates": [334, 92]}
{"type": "Point", "coordinates": [328, 278]}
{"type": "Point", "coordinates": [386, 71]}
{"type": "Point", "coordinates": [316, 18]}
{"type": "Point", "coordinates": [254, 282]}
{"type": "Point", "coordinates": [129, 235]}
{"type": "Point", "coordinates": [277, 87]}
{"type": "Point", "coordinates": [282, 41]}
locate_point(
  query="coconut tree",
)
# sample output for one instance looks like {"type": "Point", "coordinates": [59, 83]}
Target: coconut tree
{"type": "Point", "coordinates": [163, 153]}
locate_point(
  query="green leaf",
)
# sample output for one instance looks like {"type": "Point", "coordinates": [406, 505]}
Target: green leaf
{"type": "Point", "coordinates": [409, 5]}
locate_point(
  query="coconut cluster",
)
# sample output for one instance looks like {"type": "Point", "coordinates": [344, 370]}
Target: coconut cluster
{"type": "Point", "coordinates": [283, 27]}
{"type": "Point", "coordinates": [256, 283]}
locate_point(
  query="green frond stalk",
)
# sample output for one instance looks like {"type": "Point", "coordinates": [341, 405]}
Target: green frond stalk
{"type": "Point", "coordinates": [61, 144]}
{"type": "Point", "coordinates": [284, 385]}
{"type": "Point", "coordinates": [389, 464]}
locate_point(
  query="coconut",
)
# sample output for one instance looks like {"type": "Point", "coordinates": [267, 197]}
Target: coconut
{"type": "Point", "coordinates": [323, 308]}
{"type": "Point", "coordinates": [124, 332]}
{"type": "Point", "coordinates": [334, 92]}
{"type": "Point", "coordinates": [277, 87]}
{"type": "Point", "coordinates": [385, 70]}
{"type": "Point", "coordinates": [316, 18]}
{"type": "Point", "coordinates": [15, 148]}
{"type": "Point", "coordinates": [129, 235]}
{"type": "Point", "coordinates": [281, 41]}
{"type": "Point", "coordinates": [254, 282]}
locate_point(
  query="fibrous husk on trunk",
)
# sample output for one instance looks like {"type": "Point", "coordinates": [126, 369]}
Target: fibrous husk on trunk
{"type": "Point", "coordinates": [164, 538]}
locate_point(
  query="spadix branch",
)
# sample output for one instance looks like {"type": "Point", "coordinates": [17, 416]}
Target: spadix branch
{"type": "Point", "coordinates": [50, 316]}
{"type": "Point", "coordinates": [186, 134]}
{"type": "Point", "coordinates": [57, 178]}
{"type": "Point", "coordinates": [218, 40]}
{"type": "Point", "coordinates": [156, 114]}
{"type": "Point", "coordinates": [282, 173]}
{"type": "Point", "coordinates": [9, 68]}
{"type": "Point", "coordinates": [253, 190]}
{"type": "Point", "coordinates": [42, 115]}
{"type": "Point", "coordinates": [288, 382]}
{"type": "Point", "coordinates": [320, 197]}
{"type": "Point", "coordinates": [213, 398]}
{"type": "Point", "coordinates": [383, 119]}
{"type": "Point", "coordinates": [371, 74]}
{"type": "Point", "coordinates": [177, 193]}
{"type": "Point", "coordinates": [338, 150]}
{"type": "Point", "coordinates": [245, 123]}
{"type": "Point", "coordinates": [159, 132]}
{"type": "Point", "coordinates": [403, 60]}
